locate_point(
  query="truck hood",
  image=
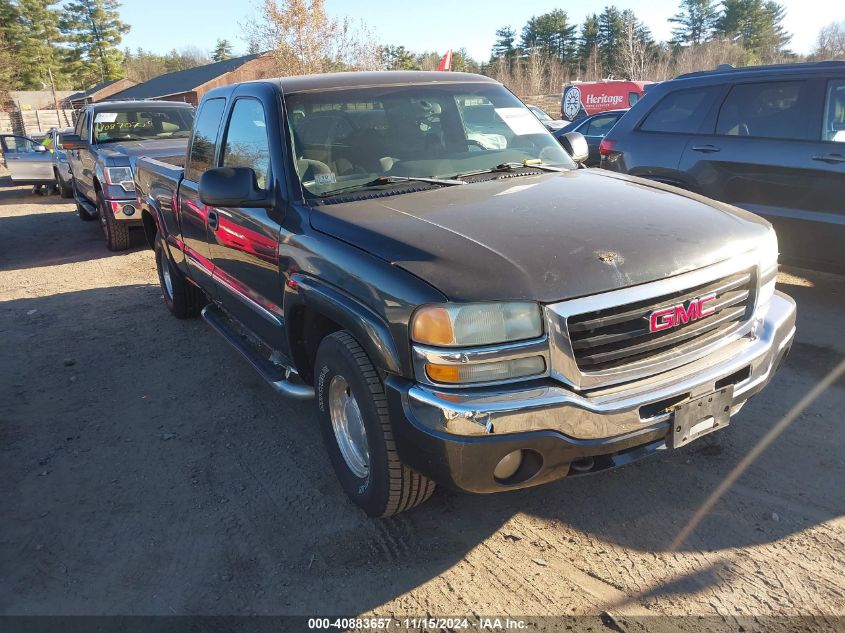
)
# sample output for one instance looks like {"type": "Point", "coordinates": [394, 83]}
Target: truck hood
{"type": "Point", "coordinates": [159, 148]}
{"type": "Point", "coordinates": [547, 238]}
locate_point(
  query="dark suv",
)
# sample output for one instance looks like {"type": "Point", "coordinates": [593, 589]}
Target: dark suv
{"type": "Point", "coordinates": [770, 139]}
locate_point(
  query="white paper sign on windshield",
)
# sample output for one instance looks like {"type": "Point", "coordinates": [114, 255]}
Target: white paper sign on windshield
{"type": "Point", "coordinates": [105, 117]}
{"type": "Point", "coordinates": [521, 121]}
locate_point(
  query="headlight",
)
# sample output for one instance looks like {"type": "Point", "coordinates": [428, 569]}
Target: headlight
{"type": "Point", "coordinates": [120, 176]}
{"type": "Point", "coordinates": [471, 324]}
{"type": "Point", "coordinates": [767, 254]}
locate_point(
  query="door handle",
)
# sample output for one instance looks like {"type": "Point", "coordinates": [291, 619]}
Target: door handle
{"type": "Point", "coordinates": [706, 149]}
{"type": "Point", "coordinates": [830, 158]}
{"type": "Point", "coordinates": [213, 220]}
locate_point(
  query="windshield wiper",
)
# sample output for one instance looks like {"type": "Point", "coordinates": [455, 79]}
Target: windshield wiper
{"type": "Point", "coordinates": [389, 180]}
{"type": "Point", "coordinates": [531, 164]}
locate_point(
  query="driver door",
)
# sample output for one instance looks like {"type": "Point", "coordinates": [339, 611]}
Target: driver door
{"type": "Point", "coordinates": [25, 161]}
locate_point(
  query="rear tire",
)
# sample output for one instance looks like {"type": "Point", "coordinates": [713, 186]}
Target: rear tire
{"type": "Point", "coordinates": [117, 233]}
{"type": "Point", "coordinates": [182, 298]}
{"type": "Point", "coordinates": [350, 393]}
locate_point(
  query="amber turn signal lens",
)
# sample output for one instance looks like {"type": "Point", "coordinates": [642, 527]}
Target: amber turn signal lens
{"type": "Point", "coordinates": [443, 373]}
{"type": "Point", "coordinates": [433, 326]}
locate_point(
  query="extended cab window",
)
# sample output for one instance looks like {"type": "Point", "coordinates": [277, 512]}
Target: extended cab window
{"type": "Point", "coordinates": [767, 110]}
{"type": "Point", "coordinates": [205, 138]}
{"type": "Point", "coordinates": [680, 112]}
{"type": "Point", "coordinates": [247, 144]}
{"type": "Point", "coordinates": [834, 112]}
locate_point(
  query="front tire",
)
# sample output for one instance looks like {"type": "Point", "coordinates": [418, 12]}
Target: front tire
{"type": "Point", "coordinates": [183, 299]}
{"type": "Point", "coordinates": [117, 233]}
{"type": "Point", "coordinates": [357, 433]}
{"type": "Point", "coordinates": [65, 190]}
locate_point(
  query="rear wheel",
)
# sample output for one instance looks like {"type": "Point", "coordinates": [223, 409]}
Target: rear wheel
{"type": "Point", "coordinates": [357, 432]}
{"type": "Point", "coordinates": [117, 233]}
{"type": "Point", "coordinates": [183, 299]}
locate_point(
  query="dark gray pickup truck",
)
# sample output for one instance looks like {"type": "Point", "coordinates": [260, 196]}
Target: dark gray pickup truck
{"type": "Point", "coordinates": [467, 306]}
{"type": "Point", "coordinates": [107, 140]}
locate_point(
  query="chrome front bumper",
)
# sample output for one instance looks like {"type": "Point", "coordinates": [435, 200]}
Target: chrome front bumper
{"type": "Point", "coordinates": [748, 364]}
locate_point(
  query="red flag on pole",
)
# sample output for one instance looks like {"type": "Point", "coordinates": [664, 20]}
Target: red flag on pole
{"type": "Point", "coordinates": [446, 62]}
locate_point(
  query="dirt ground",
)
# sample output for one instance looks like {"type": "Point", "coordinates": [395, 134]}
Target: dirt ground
{"type": "Point", "coordinates": [147, 470]}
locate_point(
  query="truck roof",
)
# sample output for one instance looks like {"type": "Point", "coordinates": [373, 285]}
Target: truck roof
{"type": "Point", "coordinates": [117, 106]}
{"type": "Point", "coordinates": [330, 81]}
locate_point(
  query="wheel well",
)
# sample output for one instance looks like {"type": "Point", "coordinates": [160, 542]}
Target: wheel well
{"type": "Point", "coordinates": [307, 329]}
{"type": "Point", "coordinates": [150, 228]}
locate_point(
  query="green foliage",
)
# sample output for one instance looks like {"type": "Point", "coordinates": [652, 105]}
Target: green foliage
{"type": "Point", "coordinates": [93, 30]}
{"type": "Point", "coordinates": [222, 51]}
{"type": "Point", "coordinates": [611, 27]}
{"type": "Point", "coordinates": [398, 58]}
{"type": "Point", "coordinates": [552, 34]}
{"type": "Point", "coordinates": [31, 31]}
{"type": "Point", "coordinates": [757, 25]}
{"type": "Point", "coordinates": [504, 46]}
{"type": "Point", "coordinates": [695, 21]}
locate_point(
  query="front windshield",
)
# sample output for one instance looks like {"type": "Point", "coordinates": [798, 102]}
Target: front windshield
{"type": "Point", "coordinates": [350, 137]}
{"type": "Point", "coordinates": [142, 124]}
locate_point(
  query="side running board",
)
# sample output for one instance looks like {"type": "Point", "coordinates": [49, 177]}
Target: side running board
{"type": "Point", "coordinates": [278, 378]}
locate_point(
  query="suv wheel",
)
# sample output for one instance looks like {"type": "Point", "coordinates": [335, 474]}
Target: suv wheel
{"type": "Point", "coordinates": [80, 210]}
{"type": "Point", "coordinates": [183, 299]}
{"type": "Point", "coordinates": [357, 433]}
{"type": "Point", "coordinates": [117, 233]}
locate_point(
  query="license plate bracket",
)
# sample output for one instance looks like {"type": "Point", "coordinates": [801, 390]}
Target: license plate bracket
{"type": "Point", "coordinates": [700, 416]}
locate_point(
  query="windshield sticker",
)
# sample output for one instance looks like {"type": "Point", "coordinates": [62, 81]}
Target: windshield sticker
{"type": "Point", "coordinates": [521, 121]}
{"type": "Point", "coordinates": [123, 125]}
{"type": "Point", "coordinates": [325, 179]}
{"type": "Point", "coordinates": [105, 117]}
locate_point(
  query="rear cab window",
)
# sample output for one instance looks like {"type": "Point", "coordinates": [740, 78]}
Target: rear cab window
{"type": "Point", "coordinates": [833, 122]}
{"type": "Point", "coordinates": [680, 112]}
{"type": "Point", "coordinates": [204, 142]}
{"type": "Point", "coordinates": [763, 110]}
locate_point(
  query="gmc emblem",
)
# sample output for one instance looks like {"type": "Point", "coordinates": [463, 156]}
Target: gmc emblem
{"type": "Point", "coordinates": [693, 310]}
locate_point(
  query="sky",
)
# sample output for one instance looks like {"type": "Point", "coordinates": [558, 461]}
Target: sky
{"type": "Point", "coordinates": [435, 25]}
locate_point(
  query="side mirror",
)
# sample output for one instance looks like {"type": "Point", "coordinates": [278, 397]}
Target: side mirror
{"type": "Point", "coordinates": [232, 187]}
{"type": "Point", "coordinates": [575, 145]}
{"type": "Point", "coordinates": [73, 141]}
{"type": "Point", "coordinates": [40, 148]}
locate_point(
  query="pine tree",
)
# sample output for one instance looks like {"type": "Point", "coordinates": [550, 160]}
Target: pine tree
{"type": "Point", "coordinates": [222, 51]}
{"type": "Point", "coordinates": [611, 27]}
{"type": "Point", "coordinates": [696, 21]}
{"type": "Point", "coordinates": [757, 25]}
{"type": "Point", "coordinates": [552, 34]}
{"type": "Point", "coordinates": [94, 30]}
{"type": "Point", "coordinates": [30, 28]}
{"type": "Point", "coordinates": [588, 48]}
{"type": "Point", "coordinates": [505, 38]}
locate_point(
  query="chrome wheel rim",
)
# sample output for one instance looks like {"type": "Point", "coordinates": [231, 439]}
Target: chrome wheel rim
{"type": "Point", "coordinates": [348, 426]}
{"type": "Point", "coordinates": [165, 275]}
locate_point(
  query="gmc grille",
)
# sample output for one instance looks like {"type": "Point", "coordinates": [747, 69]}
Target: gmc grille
{"type": "Point", "coordinates": [615, 337]}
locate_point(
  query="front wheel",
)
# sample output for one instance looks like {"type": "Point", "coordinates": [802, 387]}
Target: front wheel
{"type": "Point", "coordinates": [117, 233]}
{"type": "Point", "coordinates": [65, 190]}
{"type": "Point", "coordinates": [357, 433]}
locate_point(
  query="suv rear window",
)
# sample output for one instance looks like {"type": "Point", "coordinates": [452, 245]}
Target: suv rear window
{"type": "Point", "coordinates": [680, 112]}
{"type": "Point", "coordinates": [766, 110]}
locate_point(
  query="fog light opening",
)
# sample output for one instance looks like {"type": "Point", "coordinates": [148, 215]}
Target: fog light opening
{"type": "Point", "coordinates": [583, 465]}
{"type": "Point", "coordinates": [517, 467]}
{"type": "Point", "coordinates": [128, 210]}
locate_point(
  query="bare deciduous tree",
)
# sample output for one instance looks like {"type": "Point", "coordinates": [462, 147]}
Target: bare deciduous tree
{"type": "Point", "coordinates": [830, 43]}
{"type": "Point", "coordinates": [304, 39]}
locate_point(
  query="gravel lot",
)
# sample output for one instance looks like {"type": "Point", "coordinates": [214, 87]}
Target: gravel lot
{"type": "Point", "coordinates": [147, 470]}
